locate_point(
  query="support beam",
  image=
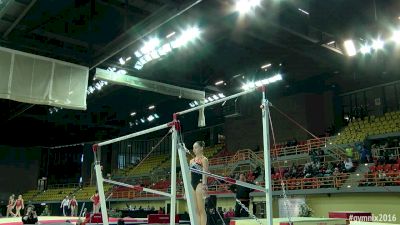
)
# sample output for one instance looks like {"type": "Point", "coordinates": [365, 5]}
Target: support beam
{"type": "Point", "coordinates": [62, 38]}
{"type": "Point", "coordinates": [149, 85]}
{"type": "Point", "coordinates": [22, 15]}
{"type": "Point", "coordinates": [121, 7]}
{"type": "Point", "coordinates": [100, 188]}
{"type": "Point", "coordinates": [189, 193]}
{"type": "Point", "coordinates": [267, 158]}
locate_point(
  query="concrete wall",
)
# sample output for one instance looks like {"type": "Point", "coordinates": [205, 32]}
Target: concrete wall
{"type": "Point", "coordinates": [19, 170]}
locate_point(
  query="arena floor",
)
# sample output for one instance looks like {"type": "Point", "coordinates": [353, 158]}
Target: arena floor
{"type": "Point", "coordinates": [62, 220]}
{"type": "Point", "coordinates": [277, 221]}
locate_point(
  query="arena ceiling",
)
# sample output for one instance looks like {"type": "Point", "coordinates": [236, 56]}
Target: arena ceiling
{"type": "Point", "coordinates": [300, 39]}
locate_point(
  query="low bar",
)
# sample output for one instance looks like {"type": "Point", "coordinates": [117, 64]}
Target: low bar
{"type": "Point", "coordinates": [135, 187]}
{"type": "Point", "coordinates": [230, 180]}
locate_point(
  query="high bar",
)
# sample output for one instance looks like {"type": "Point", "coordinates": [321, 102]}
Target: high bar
{"type": "Point", "coordinates": [138, 188]}
{"type": "Point", "coordinates": [215, 102]}
{"type": "Point", "coordinates": [160, 127]}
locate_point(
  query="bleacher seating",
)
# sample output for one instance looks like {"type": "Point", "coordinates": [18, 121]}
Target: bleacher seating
{"type": "Point", "coordinates": [209, 152]}
{"type": "Point", "coordinates": [56, 194]}
{"type": "Point", "coordinates": [358, 130]}
{"type": "Point", "coordinates": [145, 167]}
{"type": "Point", "coordinates": [86, 192]}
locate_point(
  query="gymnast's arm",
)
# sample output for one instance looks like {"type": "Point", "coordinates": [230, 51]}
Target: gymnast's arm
{"type": "Point", "coordinates": [205, 169]}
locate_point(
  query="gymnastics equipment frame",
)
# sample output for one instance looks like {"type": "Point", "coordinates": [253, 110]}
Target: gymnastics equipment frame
{"type": "Point", "coordinates": [176, 127]}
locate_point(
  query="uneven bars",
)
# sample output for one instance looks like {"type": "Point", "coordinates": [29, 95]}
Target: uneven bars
{"type": "Point", "coordinates": [230, 180]}
{"type": "Point", "coordinates": [137, 188]}
{"type": "Point", "coordinates": [215, 102]}
{"type": "Point", "coordinates": [160, 127]}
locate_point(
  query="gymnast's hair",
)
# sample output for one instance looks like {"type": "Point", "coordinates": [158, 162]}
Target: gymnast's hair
{"type": "Point", "coordinates": [201, 143]}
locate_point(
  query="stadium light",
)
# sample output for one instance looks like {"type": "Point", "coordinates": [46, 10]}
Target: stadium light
{"type": "Point", "coordinates": [154, 54]}
{"type": "Point", "coordinates": [121, 61]}
{"type": "Point", "coordinates": [188, 35]}
{"type": "Point", "coordinates": [244, 6]}
{"type": "Point", "coordinates": [150, 45]}
{"type": "Point", "coordinates": [350, 48]}
{"type": "Point", "coordinates": [165, 49]}
{"type": "Point", "coordinates": [219, 82]}
{"type": "Point", "coordinates": [259, 83]}
{"type": "Point", "coordinates": [170, 34]}
{"type": "Point", "coordinates": [377, 44]}
{"type": "Point", "coordinates": [304, 11]}
{"type": "Point", "coordinates": [266, 66]}
{"type": "Point", "coordinates": [396, 37]}
{"type": "Point", "coordinates": [138, 66]}
{"type": "Point", "coordinates": [365, 49]}
{"type": "Point", "coordinates": [138, 54]}
{"type": "Point", "coordinates": [150, 118]}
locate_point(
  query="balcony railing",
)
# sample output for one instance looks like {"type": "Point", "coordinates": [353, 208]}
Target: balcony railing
{"type": "Point", "coordinates": [290, 184]}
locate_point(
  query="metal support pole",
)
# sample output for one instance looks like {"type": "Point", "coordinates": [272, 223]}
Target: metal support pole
{"type": "Point", "coordinates": [267, 159]}
{"type": "Point", "coordinates": [100, 189]}
{"type": "Point", "coordinates": [173, 175]}
{"type": "Point", "coordinates": [189, 193]}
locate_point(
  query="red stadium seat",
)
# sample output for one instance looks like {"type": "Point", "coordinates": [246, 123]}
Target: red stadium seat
{"type": "Point", "coordinates": [372, 169]}
{"type": "Point", "coordinates": [387, 167]}
{"type": "Point", "coordinates": [396, 167]}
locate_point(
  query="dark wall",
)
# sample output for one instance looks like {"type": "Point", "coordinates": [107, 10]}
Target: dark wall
{"type": "Point", "coordinates": [88, 160]}
{"type": "Point", "coordinates": [19, 170]}
{"type": "Point", "coordinates": [314, 112]}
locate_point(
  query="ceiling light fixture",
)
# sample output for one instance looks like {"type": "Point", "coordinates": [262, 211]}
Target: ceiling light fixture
{"type": "Point", "coordinates": [396, 37]}
{"type": "Point", "coordinates": [219, 82]}
{"type": "Point", "coordinates": [266, 66]}
{"type": "Point", "coordinates": [170, 34]}
{"type": "Point", "coordinates": [121, 61]}
{"type": "Point", "coordinates": [138, 54]}
{"type": "Point", "coordinates": [150, 118]}
{"type": "Point", "coordinates": [350, 47]}
{"type": "Point", "coordinates": [377, 44]}
{"type": "Point", "coordinates": [259, 83]}
{"type": "Point", "coordinates": [244, 6]}
{"type": "Point", "coordinates": [303, 11]}
{"type": "Point", "coordinates": [365, 49]}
